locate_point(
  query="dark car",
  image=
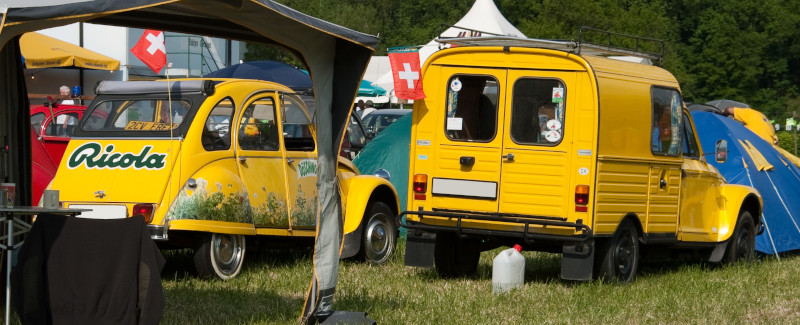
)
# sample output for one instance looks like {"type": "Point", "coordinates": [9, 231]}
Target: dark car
{"type": "Point", "coordinates": [378, 120]}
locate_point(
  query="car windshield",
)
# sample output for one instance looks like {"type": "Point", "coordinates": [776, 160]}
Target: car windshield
{"type": "Point", "coordinates": [137, 116]}
{"type": "Point", "coordinates": [377, 121]}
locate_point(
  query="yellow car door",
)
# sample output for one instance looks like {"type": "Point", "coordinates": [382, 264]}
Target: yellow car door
{"type": "Point", "coordinates": [261, 161]}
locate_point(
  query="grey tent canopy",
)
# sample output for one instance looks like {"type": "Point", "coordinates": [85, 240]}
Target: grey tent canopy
{"type": "Point", "coordinates": [335, 56]}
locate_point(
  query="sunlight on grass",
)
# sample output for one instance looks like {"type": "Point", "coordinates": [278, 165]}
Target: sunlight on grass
{"type": "Point", "coordinates": [271, 290]}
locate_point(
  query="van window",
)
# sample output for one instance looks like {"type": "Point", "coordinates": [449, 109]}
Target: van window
{"type": "Point", "coordinates": [471, 108]}
{"type": "Point", "coordinates": [537, 112]}
{"type": "Point", "coordinates": [667, 122]}
{"type": "Point", "coordinates": [216, 133]}
{"type": "Point", "coordinates": [257, 128]}
{"type": "Point", "coordinates": [690, 147]}
{"type": "Point", "coordinates": [296, 124]}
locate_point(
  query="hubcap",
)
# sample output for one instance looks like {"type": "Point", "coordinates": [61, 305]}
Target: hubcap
{"type": "Point", "coordinates": [227, 253]}
{"type": "Point", "coordinates": [376, 236]}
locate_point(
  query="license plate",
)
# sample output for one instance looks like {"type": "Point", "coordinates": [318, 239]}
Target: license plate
{"type": "Point", "coordinates": [101, 211]}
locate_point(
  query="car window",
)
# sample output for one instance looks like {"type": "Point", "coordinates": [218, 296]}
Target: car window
{"type": "Point", "coordinates": [667, 122]}
{"type": "Point", "coordinates": [296, 124]}
{"type": "Point", "coordinates": [62, 125]}
{"type": "Point", "coordinates": [141, 115]}
{"type": "Point", "coordinates": [690, 147]}
{"type": "Point", "coordinates": [471, 108]}
{"type": "Point", "coordinates": [216, 133]}
{"type": "Point", "coordinates": [257, 128]}
{"type": "Point", "coordinates": [537, 111]}
{"type": "Point", "coordinates": [36, 122]}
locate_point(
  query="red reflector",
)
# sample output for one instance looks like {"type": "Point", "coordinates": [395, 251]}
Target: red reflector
{"type": "Point", "coordinates": [420, 197]}
{"type": "Point", "coordinates": [581, 209]}
{"type": "Point", "coordinates": [145, 210]}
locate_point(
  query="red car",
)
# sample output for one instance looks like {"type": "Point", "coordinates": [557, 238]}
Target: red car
{"type": "Point", "coordinates": [53, 125]}
{"type": "Point", "coordinates": [44, 169]}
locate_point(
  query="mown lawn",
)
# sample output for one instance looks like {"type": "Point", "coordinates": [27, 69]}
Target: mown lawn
{"type": "Point", "coordinates": [271, 290]}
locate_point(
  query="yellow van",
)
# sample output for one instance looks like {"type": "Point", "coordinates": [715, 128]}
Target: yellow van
{"type": "Point", "coordinates": [209, 163]}
{"type": "Point", "coordinates": [541, 143]}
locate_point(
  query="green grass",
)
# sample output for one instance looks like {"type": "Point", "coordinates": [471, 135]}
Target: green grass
{"type": "Point", "coordinates": [271, 290]}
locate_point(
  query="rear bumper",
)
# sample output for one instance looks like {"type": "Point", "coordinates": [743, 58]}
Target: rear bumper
{"type": "Point", "coordinates": [514, 219]}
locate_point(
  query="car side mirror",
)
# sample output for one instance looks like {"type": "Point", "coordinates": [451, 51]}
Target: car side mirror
{"type": "Point", "coordinates": [721, 151]}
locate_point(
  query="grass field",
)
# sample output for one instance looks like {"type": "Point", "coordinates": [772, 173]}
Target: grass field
{"type": "Point", "coordinates": [271, 290]}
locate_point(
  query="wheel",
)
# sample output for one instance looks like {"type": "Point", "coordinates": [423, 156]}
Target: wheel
{"type": "Point", "coordinates": [380, 233]}
{"type": "Point", "coordinates": [453, 256]}
{"type": "Point", "coordinates": [220, 255]}
{"type": "Point", "coordinates": [742, 244]}
{"type": "Point", "coordinates": [618, 257]}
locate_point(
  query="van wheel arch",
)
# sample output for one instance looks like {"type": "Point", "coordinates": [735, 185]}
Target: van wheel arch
{"type": "Point", "coordinates": [617, 257]}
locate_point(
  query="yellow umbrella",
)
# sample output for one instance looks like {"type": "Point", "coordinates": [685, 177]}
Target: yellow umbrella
{"type": "Point", "coordinates": [42, 51]}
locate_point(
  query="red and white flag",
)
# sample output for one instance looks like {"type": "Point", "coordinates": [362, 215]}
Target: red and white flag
{"type": "Point", "coordinates": [151, 50]}
{"type": "Point", "coordinates": [407, 75]}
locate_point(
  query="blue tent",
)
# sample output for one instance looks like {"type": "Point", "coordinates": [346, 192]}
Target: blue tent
{"type": "Point", "coordinates": [282, 73]}
{"type": "Point", "coordinates": [779, 185]}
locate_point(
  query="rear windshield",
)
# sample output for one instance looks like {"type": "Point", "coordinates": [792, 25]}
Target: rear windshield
{"type": "Point", "coordinates": [138, 117]}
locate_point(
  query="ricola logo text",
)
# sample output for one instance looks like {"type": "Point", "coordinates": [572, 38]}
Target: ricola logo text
{"type": "Point", "coordinates": [306, 168]}
{"type": "Point", "coordinates": [92, 155]}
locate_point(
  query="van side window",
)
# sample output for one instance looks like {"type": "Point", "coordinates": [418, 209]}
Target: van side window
{"type": "Point", "coordinates": [216, 133]}
{"type": "Point", "coordinates": [667, 122]}
{"type": "Point", "coordinates": [471, 108]}
{"type": "Point", "coordinates": [257, 128]}
{"type": "Point", "coordinates": [690, 147]}
{"type": "Point", "coordinates": [296, 124]}
{"type": "Point", "coordinates": [537, 112]}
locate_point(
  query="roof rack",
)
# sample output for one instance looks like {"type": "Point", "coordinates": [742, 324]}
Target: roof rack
{"type": "Point", "coordinates": [635, 44]}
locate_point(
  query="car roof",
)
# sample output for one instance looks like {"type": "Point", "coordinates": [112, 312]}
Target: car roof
{"type": "Point", "coordinates": [391, 111]}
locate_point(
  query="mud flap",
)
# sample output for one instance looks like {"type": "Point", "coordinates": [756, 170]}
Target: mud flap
{"type": "Point", "coordinates": [719, 252]}
{"type": "Point", "coordinates": [419, 248]}
{"type": "Point", "coordinates": [577, 262]}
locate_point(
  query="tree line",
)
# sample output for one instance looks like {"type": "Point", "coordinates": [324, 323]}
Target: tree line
{"type": "Point", "coordinates": [747, 51]}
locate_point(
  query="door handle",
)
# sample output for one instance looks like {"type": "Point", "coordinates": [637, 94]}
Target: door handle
{"type": "Point", "coordinates": [509, 156]}
{"type": "Point", "coordinates": [289, 161]}
{"type": "Point", "coordinates": [663, 183]}
{"type": "Point", "coordinates": [242, 159]}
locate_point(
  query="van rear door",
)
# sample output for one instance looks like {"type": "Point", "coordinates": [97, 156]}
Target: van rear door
{"type": "Point", "coordinates": [468, 144]}
{"type": "Point", "coordinates": [537, 144]}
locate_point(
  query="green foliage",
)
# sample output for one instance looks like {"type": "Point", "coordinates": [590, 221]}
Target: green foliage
{"type": "Point", "coordinates": [786, 140]}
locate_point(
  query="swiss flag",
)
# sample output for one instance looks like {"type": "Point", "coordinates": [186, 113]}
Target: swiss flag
{"type": "Point", "coordinates": [151, 50]}
{"type": "Point", "coordinates": [407, 75]}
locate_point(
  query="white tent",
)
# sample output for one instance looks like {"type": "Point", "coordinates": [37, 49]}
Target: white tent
{"type": "Point", "coordinates": [483, 17]}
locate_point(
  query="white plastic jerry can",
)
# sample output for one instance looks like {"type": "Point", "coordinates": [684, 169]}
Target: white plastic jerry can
{"type": "Point", "coordinates": [508, 269]}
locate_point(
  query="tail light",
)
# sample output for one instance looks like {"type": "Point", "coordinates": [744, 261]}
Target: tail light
{"type": "Point", "coordinates": [581, 198]}
{"type": "Point", "coordinates": [144, 209]}
{"type": "Point", "coordinates": [420, 186]}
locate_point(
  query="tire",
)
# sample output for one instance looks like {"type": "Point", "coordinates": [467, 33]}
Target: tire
{"type": "Point", "coordinates": [618, 257]}
{"type": "Point", "coordinates": [220, 255]}
{"type": "Point", "coordinates": [454, 257]}
{"type": "Point", "coordinates": [742, 244]}
{"type": "Point", "coordinates": [379, 239]}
